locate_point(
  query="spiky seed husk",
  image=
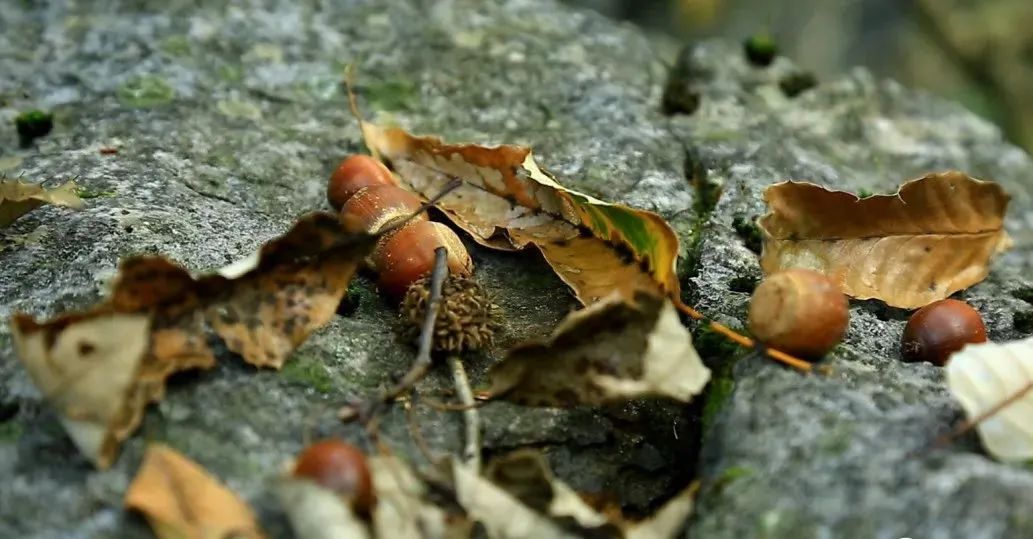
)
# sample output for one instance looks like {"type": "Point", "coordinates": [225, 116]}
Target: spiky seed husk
{"type": "Point", "coordinates": [467, 321]}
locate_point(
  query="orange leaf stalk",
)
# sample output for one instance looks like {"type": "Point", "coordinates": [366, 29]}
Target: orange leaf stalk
{"type": "Point", "coordinates": [743, 340]}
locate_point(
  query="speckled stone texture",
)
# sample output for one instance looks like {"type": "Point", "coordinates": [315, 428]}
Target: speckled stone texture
{"type": "Point", "coordinates": [229, 116]}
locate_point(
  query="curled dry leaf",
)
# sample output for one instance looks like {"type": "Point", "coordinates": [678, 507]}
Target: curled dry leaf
{"type": "Point", "coordinates": [17, 198]}
{"type": "Point", "coordinates": [614, 350]}
{"type": "Point", "coordinates": [669, 520]}
{"type": "Point", "coordinates": [983, 377]}
{"type": "Point", "coordinates": [518, 497]}
{"type": "Point", "coordinates": [934, 236]}
{"type": "Point", "coordinates": [526, 476]}
{"type": "Point", "coordinates": [402, 510]}
{"type": "Point", "coordinates": [508, 202]}
{"type": "Point", "coordinates": [502, 514]}
{"type": "Point", "coordinates": [316, 512]}
{"type": "Point", "coordinates": [100, 367]}
{"type": "Point", "coordinates": [180, 499]}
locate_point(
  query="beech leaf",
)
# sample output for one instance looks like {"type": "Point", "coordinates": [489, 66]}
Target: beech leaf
{"type": "Point", "coordinates": [17, 198]}
{"type": "Point", "coordinates": [612, 351]}
{"type": "Point", "coordinates": [100, 367]}
{"type": "Point", "coordinates": [180, 499]}
{"type": "Point", "coordinates": [935, 236]}
{"type": "Point", "coordinates": [983, 376]}
{"type": "Point", "coordinates": [508, 202]}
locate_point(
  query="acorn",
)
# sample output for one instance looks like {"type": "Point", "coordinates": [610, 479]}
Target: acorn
{"type": "Point", "coordinates": [404, 258]}
{"type": "Point", "coordinates": [354, 173]}
{"type": "Point", "coordinates": [799, 311]}
{"type": "Point", "coordinates": [406, 255]}
{"type": "Point", "coordinates": [341, 468]}
{"type": "Point", "coordinates": [936, 331]}
{"type": "Point", "coordinates": [373, 207]}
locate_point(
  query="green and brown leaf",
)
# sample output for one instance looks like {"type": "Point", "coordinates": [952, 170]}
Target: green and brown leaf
{"type": "Point", "coordinates": [508, 202]}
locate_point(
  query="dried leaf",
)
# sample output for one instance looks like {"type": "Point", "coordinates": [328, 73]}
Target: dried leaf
{"type": "Point", "coordinates": [611, 351]}
{"type": "Point", "coordinates": [180, 499]}
{"type": "Point", "coordinates": [934, 236]}
{"type": "Point", "coordinates": [526, 476]}
{"type": "Point", "coordinates": [669, 520]}
{"type": "Point", "coordinates": [153, 325]}
{"type": "Point", "coordinates": [316, 512]}
{"type": "Point", "coordinates": [402, 510]}
{"type": "Point", "coordinates": [984, 376]}
{"type": "Point", "coordinates": [17, 198]}
{"type": "Point", "coordinates": [503, 515]}
{"type": "Point", "coordinates": [508, 202]}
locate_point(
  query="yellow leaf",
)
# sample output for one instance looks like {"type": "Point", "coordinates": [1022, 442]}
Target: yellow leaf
{"type": "Point", "coordinates": [508, 202]}
{"type": "Point", "coordinates": [17, 199]}
{"type": "Point", "coordinates": [181, 500]}
{"type": "Point", "coordinates": [935, 236]}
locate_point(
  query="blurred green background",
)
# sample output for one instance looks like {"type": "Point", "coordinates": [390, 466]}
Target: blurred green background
{"type": "Point", "coordinates": [977, 52]}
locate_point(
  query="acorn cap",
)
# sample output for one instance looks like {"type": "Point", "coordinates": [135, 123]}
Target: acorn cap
{"type": "Point", "coordinates": [467, 320]}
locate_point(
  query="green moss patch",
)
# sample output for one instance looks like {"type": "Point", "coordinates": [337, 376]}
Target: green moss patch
{"type": "Point", "coordinates": [391, 95]}
{"type": "Point", "coordinates": [306, 370]}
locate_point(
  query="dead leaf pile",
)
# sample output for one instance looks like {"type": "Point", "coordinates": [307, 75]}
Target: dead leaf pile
{"type": "Point", "coordinates": [17, 198]}
{"type": "Point", "coordinates": [935, 236]}
{"type": "Point", "coordinates": [611, 351]}
{"type": "Point", "coordinates": [508, 202]}
{"type": "Point", "coordinates": [100, 367]}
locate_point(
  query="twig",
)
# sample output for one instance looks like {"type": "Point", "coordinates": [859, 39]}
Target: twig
{"type": "Point", "coordinates": [472, 447]}
{"type": "Point", "coordinates": [414, 429]}
{"type": "Point", "coordinates": [423, 362]}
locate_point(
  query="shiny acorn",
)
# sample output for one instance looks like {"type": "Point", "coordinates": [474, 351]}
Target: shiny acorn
{"type": "Point", "coordinates": [339, 467]}
{"type": "Point", "coordinates": [936, 331]}
{"type": "Point", "coordinates": [354, 173]}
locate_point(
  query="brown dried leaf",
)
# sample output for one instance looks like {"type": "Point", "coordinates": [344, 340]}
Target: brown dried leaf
{"type": "Point", "coordinates": [611, 351]}
{"type": "Point", "coordinates": [935, 236]}
{"type": "Point", "coordinates": [180, 499]}
{"type": "Point", "coordinates": [153, 324]}
{"type": "Point", "coordinates": [508, 202]}
{"type": "Point", "coordinates": [17, 198]}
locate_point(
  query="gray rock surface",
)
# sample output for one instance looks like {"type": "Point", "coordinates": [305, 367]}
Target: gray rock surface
{"type": "Point", "coordinates": [229, 117]}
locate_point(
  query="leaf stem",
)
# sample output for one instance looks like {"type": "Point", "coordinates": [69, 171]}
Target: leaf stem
{"type": "Point", "coordinates": [743, 340]}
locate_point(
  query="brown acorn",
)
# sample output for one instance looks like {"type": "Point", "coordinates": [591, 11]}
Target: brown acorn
{"type": "Point", "coordinates": [936, 331]}
{"type": "Point", "coordinates": [799, 311]}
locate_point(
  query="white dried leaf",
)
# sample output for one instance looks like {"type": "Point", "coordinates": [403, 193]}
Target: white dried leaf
{"type": "Point", "coordinates": [981, 376]}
